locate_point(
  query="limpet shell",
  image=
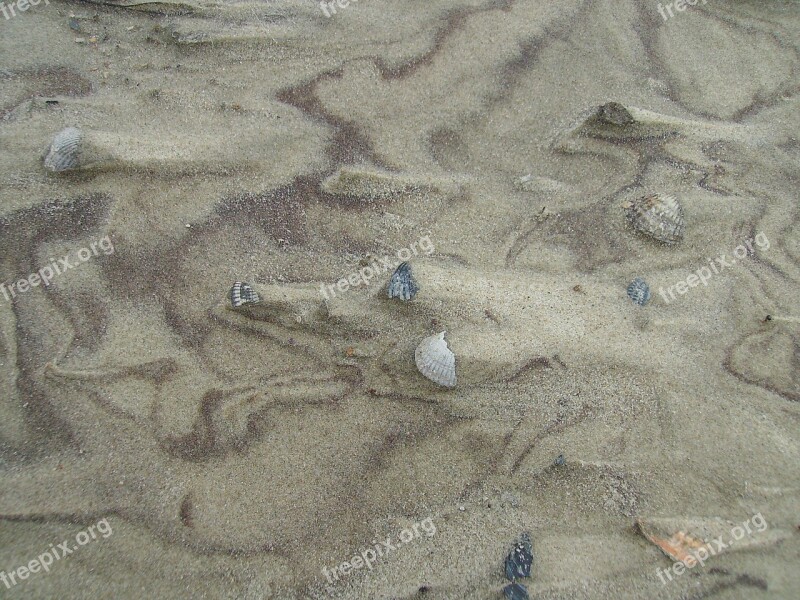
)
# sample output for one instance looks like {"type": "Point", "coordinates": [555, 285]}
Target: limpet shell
{"type": "Point", "coordinates": [657, 215]}
{"type": "Point", "coordinates": [64, 151]}
{"type": "Point", "coordinates": [639, 291]}
{"type": "Point", "coordinates": [242, 294]}
{"type": "Point", "coordinates": [435, 360]}
{"type": "Point", "coordinates": [402, 284]}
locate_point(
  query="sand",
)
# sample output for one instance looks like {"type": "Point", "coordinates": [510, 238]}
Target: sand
{"type": "Point", "coordinates": [184, 449]}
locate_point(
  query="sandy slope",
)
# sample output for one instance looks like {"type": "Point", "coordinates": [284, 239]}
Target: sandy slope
{"type": "Point", "coordinates": [236, 454]}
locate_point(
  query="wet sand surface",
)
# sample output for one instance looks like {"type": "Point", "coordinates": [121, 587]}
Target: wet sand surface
{"type": "Point", "coordinates": [184, 449]}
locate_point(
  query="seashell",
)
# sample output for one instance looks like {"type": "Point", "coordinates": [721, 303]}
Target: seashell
{"type": "Point", "coordinates": [639, 291]}
{"type": "Point", "coordinates": [435, 360]}
{"type": "Point", "coordinates": [682, 538]}
{"type": "Point", "coordinates": [657, 215]}
{"type": "Point", "coordinates": [402, 284]}
{"type": "Point", "coordinates": [520, 559]}
{"type": "Point", "coordinates": [613, 113]}
{"type": "Point", "coordinates": [64, 151]}
{"type": "Point", "coordinates": [516, 591]}
{"type": "Point", "coordinates": [242, 294]}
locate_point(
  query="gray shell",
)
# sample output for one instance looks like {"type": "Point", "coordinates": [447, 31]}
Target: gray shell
{"type": "Point", "coordinates": [639, 291]}
{"type": "Point", "coordinates": [435, 360]}
{"type": "Point", "coordinates": [242, 294]}
{"type": "Point", "coordinates": [402, 284]}
{"type": "Point", "coordinates": [64, 151]}
{"type": "Point", "coordinates": [614, 113]}
{"type": "Point", "coordinates": [657, 215]}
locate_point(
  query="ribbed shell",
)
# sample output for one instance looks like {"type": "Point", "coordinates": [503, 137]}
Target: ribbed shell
{"type": "Point", "coordinates": [435, 360]}
{"type": "Point", "coordinates": [242, 294]}
{"type": "Point", "coordinates": [639, 291]}
{"type": "Point", "coordinates": [64, 151]}
{"type": "Point", "coordinates": [402, 284]}
{"type": "Point", "coordinates": [657, 215]}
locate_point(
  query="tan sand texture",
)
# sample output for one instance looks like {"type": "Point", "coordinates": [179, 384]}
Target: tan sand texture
{"type": "Point", "coordinates": [236, 453]}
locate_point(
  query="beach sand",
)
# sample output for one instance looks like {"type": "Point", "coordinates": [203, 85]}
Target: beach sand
{"type": "Point", "coordinates": [184, 449]}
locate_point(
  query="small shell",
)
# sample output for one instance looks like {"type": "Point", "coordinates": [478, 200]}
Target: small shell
{"type": "Point", "coordinates": [402, 284]}
{"type": "Point", "coordinates": [516, 591]}
{"type": "Point", "coordinates": [520, 559]}
{"type": "Point", "coordinates": [242, 294]}
{"type": "Point", "coordinates": [64, 151]}
{"type": "Point", "coordinates": [614, 113]}
{"type": "Point", "coordinates": [435, 360]}
{"type": "Point", "coordinates": [658, 216]}
{"type": "Point", "coordinates": [639, 291]}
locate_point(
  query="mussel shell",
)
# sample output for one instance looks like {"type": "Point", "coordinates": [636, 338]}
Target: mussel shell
{"type": "Point", "coordinates": [520, 559]}
{"type": "Point", "coordinates": [516, 591]}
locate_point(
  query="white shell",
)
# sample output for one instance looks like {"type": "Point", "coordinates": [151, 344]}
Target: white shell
{"type": "Point", "coordinates": [435, 360]}
{"type": "Point", "coordinates": [64, 151]}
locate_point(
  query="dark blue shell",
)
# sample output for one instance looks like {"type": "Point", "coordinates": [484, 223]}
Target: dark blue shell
{"type": "Point", "coordinates": [242, 294]}
{"type": "Point", "coordinates": [639, 291]}
{"type": "Point", "coordinates": [516, 591]}
{"type": "Point", "coordinates": [402, 284]}
{"type": "Point", "coordinates": [520, 559]}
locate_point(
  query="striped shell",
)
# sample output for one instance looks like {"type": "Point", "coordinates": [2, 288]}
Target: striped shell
{"type": "Point", "coordinates": [242, 294]}
{"type": "Point", "coordinates": [657, 215]}
{"type": "Point", "coordinates": [64, 151]}
{"type": "Point", "coordinates": [435, 360]}
{"type": "Point", "coordinates": [639, 291]}
{"type": "Point", "coordinates": [402, 284]}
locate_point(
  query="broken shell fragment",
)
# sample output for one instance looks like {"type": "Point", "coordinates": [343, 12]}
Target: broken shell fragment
{"type": "Point", "coordinates": [684, 538]}
{"type": "Point", "coordinates": [242, 294]}
{"type": "Point", "coordinates": [639, 291]}
{"type": "Point", "coordinates": [402, 284]}
{"type": "Point", "coordinates": [64, 151]}
{"type": "Point", "coordinates": [435, 360]}
{"type": "Point", "coordinates": [658, 216]}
